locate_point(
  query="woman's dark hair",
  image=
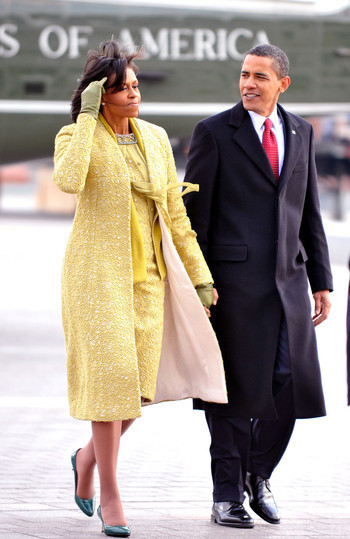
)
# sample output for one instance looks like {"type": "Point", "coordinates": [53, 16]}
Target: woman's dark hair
{"type": "Point", "coordinates": [111, 63]}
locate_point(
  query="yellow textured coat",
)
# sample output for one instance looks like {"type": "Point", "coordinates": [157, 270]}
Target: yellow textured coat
{"type": "Point", "coordinates": [97, 282]}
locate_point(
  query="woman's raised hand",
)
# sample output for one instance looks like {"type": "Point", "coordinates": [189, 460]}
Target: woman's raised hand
{"type": "Point", "coordinates": [91, 97]}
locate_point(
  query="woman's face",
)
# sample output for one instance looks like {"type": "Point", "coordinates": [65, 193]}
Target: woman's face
{"type": "Point", "coordinates": [125, 102]}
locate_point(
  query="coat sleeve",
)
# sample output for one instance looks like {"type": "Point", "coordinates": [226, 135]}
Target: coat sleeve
{"type": "Point", "coordinates": [72, 154]}
{"type": "Point", "coordinates": [312, 233]}
{"type": "Point", "coordinates": [183, 236]}
{"type": "Point", "coordinates": [201, 168]}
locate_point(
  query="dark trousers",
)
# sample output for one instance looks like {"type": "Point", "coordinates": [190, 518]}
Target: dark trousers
{"type": "Point", "coordinates": [256, 446]}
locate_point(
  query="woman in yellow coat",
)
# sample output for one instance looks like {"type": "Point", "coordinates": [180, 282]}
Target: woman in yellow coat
{"type": "Point", "coordinates": [114, 284]}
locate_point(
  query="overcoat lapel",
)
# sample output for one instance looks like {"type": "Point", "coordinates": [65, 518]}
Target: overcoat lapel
{"type": "Point", "coordinates": [293, 145]}
{"type": "Point", "coordinates": [246, 137]}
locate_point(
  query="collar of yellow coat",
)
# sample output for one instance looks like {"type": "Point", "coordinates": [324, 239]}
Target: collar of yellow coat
{"type": "Point", "coordinates": [156, 230]}
{"type": "Point", "coordinates": [137, 246]}
{"type": "Point", "coordinates": [133, 128]}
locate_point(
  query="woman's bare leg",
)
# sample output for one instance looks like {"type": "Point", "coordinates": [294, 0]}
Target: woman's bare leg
{"type": "Point", "coordinates": [126, 423]}
{"type": "Point", "coordinates": [86, 462]}
{"type": "Point", "coordinates": [106, 440]}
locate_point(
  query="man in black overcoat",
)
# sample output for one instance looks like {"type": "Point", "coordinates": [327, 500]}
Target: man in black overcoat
{"type": "Point", "coordinates": [262, 236]}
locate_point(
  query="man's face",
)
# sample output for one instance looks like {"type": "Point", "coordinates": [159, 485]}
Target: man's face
{"type": "Point", "coordinates": [259, 85]}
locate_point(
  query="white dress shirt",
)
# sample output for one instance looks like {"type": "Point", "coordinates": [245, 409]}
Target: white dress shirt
{"type": "Point", "coordinates": [277, 128]}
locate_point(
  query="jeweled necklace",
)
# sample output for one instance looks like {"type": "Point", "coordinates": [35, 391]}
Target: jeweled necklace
{"type": "Point", "coordinates": [126, 139]}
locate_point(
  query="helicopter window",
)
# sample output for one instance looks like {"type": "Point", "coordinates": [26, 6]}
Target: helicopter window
{"type": "Point", "coordinates": [34, 88]}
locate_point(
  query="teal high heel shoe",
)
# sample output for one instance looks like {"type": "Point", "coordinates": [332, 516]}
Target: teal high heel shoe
{"type": "Point", "coordinates": [113, 531]}
{"type": "Point", "coordinates": [86, 506]}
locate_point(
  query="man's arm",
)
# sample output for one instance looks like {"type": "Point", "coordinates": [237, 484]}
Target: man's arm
{"type": "Point", "coordinates": [312, 234]}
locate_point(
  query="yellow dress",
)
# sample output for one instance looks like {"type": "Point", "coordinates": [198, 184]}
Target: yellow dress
{"type": "Point", "coordinates": [148, 295]}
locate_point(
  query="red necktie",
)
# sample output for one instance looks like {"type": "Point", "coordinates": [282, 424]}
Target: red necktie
{"type": "Point", "coordinates": [270, 146]}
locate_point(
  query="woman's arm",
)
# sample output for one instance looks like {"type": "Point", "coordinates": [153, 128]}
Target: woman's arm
{"type": "Point", "coordinates": [184, 238]}
{"type": "Point", "coordinates": [72, 154]}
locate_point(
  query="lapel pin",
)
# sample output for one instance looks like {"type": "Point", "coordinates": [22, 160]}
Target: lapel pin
{"type": "Point", "coordinates": [294, 133]}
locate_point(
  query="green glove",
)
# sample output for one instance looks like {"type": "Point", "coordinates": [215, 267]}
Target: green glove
{"type": "Point", "coordinates": [91, 97]}
{"type": "Point", "coordinates": [205, 294]}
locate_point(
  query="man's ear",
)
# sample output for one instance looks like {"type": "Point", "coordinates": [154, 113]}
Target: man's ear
{"type": "Point", "coordinates": [285, 82]}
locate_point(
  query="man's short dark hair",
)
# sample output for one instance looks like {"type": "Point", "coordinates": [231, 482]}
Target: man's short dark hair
{"type": "Point", "coordinates": [280, 61]}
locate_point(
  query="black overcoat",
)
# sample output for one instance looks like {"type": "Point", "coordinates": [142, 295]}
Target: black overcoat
{"type": "Point", "coordinates": [263, 241]}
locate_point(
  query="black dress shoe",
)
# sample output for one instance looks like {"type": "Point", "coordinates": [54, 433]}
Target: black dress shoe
{"type": "Point", "coordinates": [231, 514]}
{"type": "Point", "coordinates": [261, 499]}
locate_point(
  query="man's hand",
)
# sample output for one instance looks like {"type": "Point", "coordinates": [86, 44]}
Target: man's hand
{"type": "Point", "coordinates": [322, 306]}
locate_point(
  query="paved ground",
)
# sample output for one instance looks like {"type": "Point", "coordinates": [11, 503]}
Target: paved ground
{"type": "Point", "coordinates": [164, 464]}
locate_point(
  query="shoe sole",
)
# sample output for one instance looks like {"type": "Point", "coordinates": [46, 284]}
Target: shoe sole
{"type": "Point", "coordinates": [263, 516]}
{"type": "Point", "coordinates": [231, 524]}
